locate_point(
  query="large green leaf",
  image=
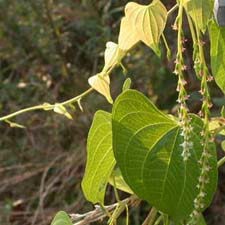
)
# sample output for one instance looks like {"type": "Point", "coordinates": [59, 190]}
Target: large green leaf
{"type": "Point", "coordinates": [200, 12]}
{"type": "Point", "coordinates": [217, 38]}
{"type": "Point", "coordinates": [101, 83]}
{"type": "Point", "coordinates": [100, 159]}
{"type": "Point", "coordinates": [146, 145]}
{"type": "Point", "coordinates": [61, 218]}
{"type": "Point", "coordinates": [201, 221]}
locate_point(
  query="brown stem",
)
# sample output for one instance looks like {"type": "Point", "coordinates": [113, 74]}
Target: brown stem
{"type": "Point", "coordinates": [98, 214]}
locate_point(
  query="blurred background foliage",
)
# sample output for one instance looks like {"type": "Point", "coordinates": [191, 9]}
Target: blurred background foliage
{"type": "Point", "coordinates": [48, 49]}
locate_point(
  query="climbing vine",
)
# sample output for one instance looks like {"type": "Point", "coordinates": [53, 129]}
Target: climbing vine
{"type": "Point", "coordinates": [167, 160]}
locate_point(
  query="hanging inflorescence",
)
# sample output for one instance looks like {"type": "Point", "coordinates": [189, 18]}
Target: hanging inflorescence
{"type": "Point", "coordinates": [180, 67]}
{"type": "Point", "coordinates": [202, 72]}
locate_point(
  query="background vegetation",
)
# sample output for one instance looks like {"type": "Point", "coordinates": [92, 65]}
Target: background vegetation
{"type": "Point", "coordinates": [48, 49]}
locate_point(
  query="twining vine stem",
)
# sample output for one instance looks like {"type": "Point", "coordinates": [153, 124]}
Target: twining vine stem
{"type": "Point", "coordinates": [150, 219]}
{"type": "Point", "coordinates": [68, 102]}
{"type": "Point", "coordinates": [43, 106]}
{"type": "Point", "coordinates": [221, 162]}
{"type": "Point", "coordinates": [173, 9]}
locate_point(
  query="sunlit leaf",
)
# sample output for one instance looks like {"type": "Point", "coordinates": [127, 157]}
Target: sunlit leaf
{"type": "Point", "coordinates": [215, 123]}
{"type": "Point", "coordinates": [100, 158]}
{"type": "Point", "coordinates": [147, 21]}
{"type": "Point", "coordinates": [147, 148]}
{"type": "Point", "coordinates": [113, 55]}
{"type": "Point", "coordinates": [217, 38]}
{"type": "Point", "coordinates": [127, 84]}
{"type": "Point", "coordinates": [61, 218]}
{"type": "Point", "coordinates": [101, 83]}
{"type": "Point", "coordinates": [128, 37]}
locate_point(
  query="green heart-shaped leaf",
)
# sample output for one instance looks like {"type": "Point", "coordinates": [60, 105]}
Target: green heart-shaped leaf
{"type": "Point", "coordinates": [217, 38]}
{"type": "Point", "coordinates": [200, 12]}
{"type": "Point", "coordinates": [61, 218]}
{"type": "Point", "coordinates": [146, 144]}
{"type": "Point", "coordinates": [100, 158]}
{"type": "Point", "coordinates": [144, 23]}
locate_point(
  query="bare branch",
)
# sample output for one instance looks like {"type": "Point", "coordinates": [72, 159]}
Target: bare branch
{"type": "Point", "coordinates": [98, 213]}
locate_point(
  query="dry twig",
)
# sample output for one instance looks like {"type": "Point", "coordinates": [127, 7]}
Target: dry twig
{"type": "Point", "coordinates": [98, 213]}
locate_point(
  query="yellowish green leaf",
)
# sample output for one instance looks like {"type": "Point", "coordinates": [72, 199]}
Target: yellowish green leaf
{"type": "Point", "coordinates": [216, 124]}
{"type": "Point", "coordinates": [217, 53]}
{"type": "Point", "coordinates": [147, 21]}
{"type": "Point", "coordinates": [128, 37]}
{"type": "Point", "coordinates": [100, 158]}
{"type": "Point", "coordinates": [126, 84]}
{"type": "Point", "coordinates": [101, 83]}
{"type": "Point", "coordinates": [113, 55]}
{"type": "Point", "coordinates": [61, 218]}
{"type": "Point", "coordinates": [200, 11]}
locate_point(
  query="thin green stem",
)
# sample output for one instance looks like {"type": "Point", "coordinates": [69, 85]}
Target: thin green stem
{"type": "Point", "coordinates": [127, 215]}
{"type": "Point", "coordinates": [33, 108]}
{"type": "Point", "coordinates": [72, 100]}
{"type": "Point", "coordinates": [160, 218]}
{"type": "Point", "coordinates": [192, 29]}
{"type": "Point", "coordinates": [150, 219]}
{"type": "Point", "coordinates": [77, 98]}
{"type": "Point", "coordinates": [172, 9]}
{"type": "Point", "coordinates": [117, 212]}
{"type": "Point", "coordinates": [167, 47]}
{"type": "Point", "coordinates": [221, 162]}
{"type": "Point", "coordinates": [166, 220]}
{"type": "Point", "coordinates": [43, 107]}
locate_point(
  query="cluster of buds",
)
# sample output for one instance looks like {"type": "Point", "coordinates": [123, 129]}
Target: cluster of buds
{"type": "Point", "coordinates": [185, 123]}
{"type": "Point", "coordinates": [184, 118]}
